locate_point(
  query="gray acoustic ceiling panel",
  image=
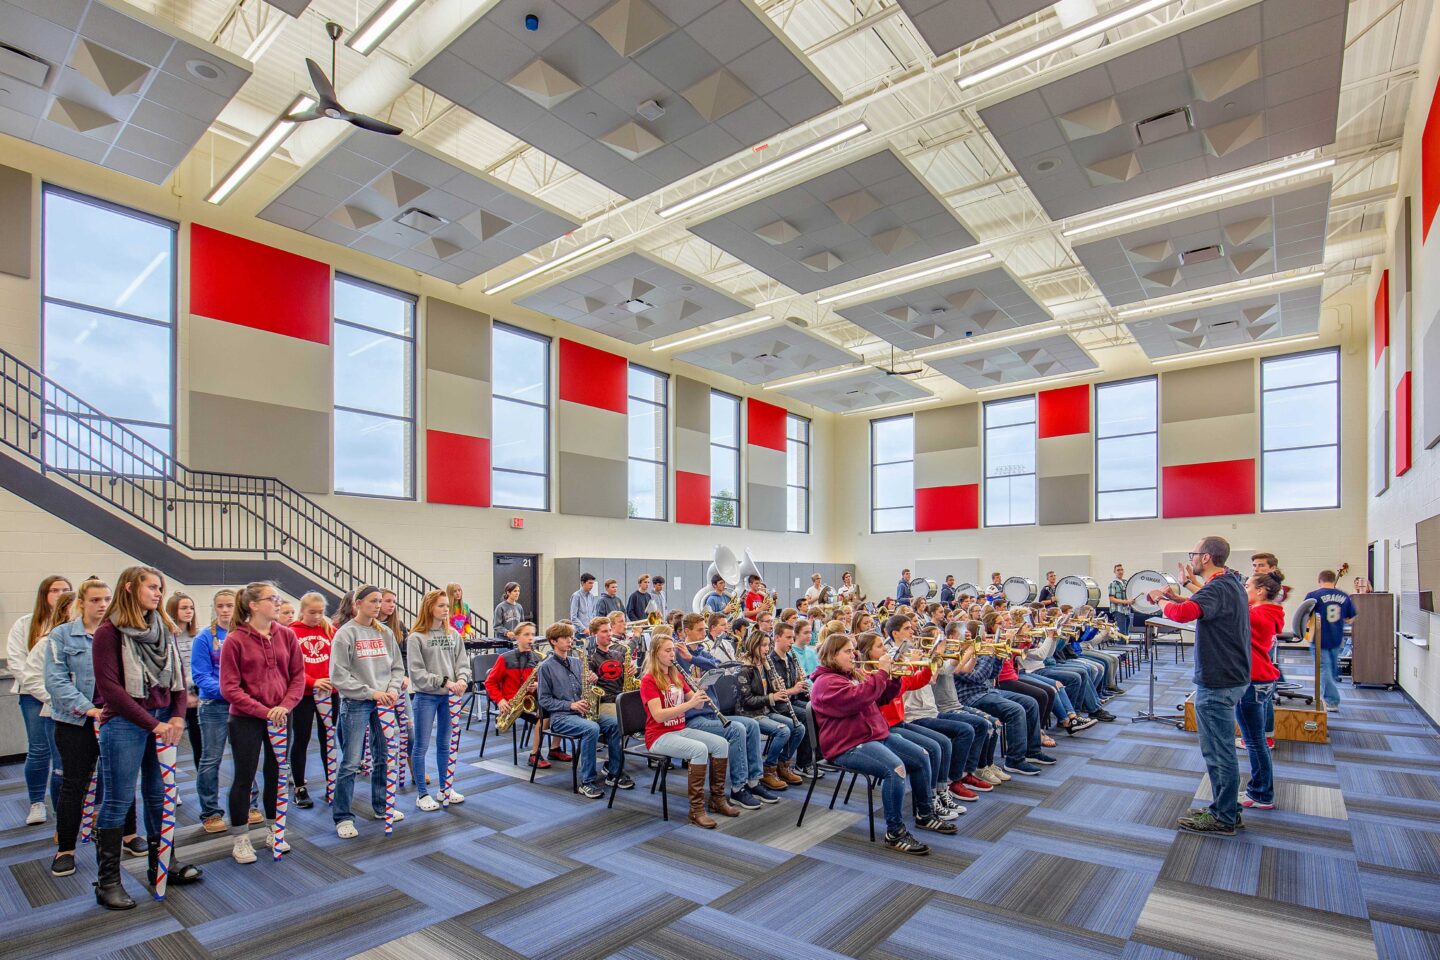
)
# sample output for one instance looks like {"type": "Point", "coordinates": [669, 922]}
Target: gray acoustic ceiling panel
{"type": "Point", "coordinates": [1257, 85]}
{"type": "Point", "coordinates": [950, 24]}
{"type": "Point", "coordinates": [397, 199]}
{"type": "Point", "coordinates": [967, 306]}
{"type": "Point", "coordinates": [872, 388]}
{"type": "Point", "coordinates": [633, 298]}
{"type": "Point", "coordinates": [870, 215]}
{"type": "Point", "coordinates": [1272, 234]}
{"type": "Point", "coordinates": [635, 94]}
{"type": "Point", "coordinates": [1271, 316]}
{"type": "Point", "coordinates": [292, 7]}
{"type": "Point", "coordinates": [1031, 360]}
{"type": "Point", "coordinates": [110, 84]}
{"type": "Point", "coordinates": [766, 355]}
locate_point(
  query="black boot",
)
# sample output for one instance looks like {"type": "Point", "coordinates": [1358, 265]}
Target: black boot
{"type": "Point", "coordinates": [180, 873]}
{"type": "Point", "coordinates": [109, 891]}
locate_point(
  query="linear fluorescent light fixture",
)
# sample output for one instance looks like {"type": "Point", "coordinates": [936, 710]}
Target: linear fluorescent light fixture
{"type": "Point", "coordinates": [982, 343]}
{"type": "Point", "coordinates": [260, 150]}
{"type": "Point", "coordinates": [907, 278]}
{"type": "Point", "coordinates": [1237, 348]}
{"type": "Point", "coordinates": [380, 25]}
{"type": "Point", "coordinates": [538, 269]}
{"type": "Point", "coordinates": [1235, 293]}
{"type": "Point", "coordinates": [1198, 197]}
{"type": "Point", "coordinates": [816, 378]}
{"type": "Point", "coordinates": [1081, 31]}
{"type": "Point", "coordinates": [1026, 384]}
{"type": "Point", "coordinates": [713, 333]}
{"type": "Point", "coordinates": [765, 169]}
{"type": "Point", "coordinates": [890, 406]}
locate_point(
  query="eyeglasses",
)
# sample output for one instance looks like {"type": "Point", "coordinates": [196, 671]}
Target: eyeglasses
{"type": "Point", "coordinates": [1193, 554]}
{"type": "Point", "coordinates": [272, 597]}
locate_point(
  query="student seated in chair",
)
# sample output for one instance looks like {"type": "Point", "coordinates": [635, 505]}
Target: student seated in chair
{"type": "Point", "coordinates": [561, 694]}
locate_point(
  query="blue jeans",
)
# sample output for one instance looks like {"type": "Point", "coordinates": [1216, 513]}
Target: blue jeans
{"type": "Point", "coordinates": [126, 751]}
{"type": "Point", "coordinates": [882, 760]}
{"type": "Point", "coordinates": [1078, 689]}
{"type": "Point", "coordinates": [1012, 716]}
{"type": "Point", "coordinates": [936, 745]}
{"type": "Point", "coordinates": [214, 734]}
{"type": "Point", "coordinates": [1251, 714]}
{"type": "Point", "coordinates": [1121, 616]}
{"type": "Point", "coordinates": [1215, 718]}
{"type": "Point", "coordinates": [589, 731]}
{"type": "Point", "coordinates": [1032, 719]}
{"type": "Point", "coordinates": [743, 735]}
{"type": "Point", "coordinates": [42, 761]}
{"type": "Point", "coordinates": [1329, 679]}
{"type": "Point", "coordinates": [431, 710]}
{"type": "Point", "coordinates": [355, 717]}
{"type": "Point", "coordinates": [786, 740]}
{"type": "Point", "coordinates": [964, 745]}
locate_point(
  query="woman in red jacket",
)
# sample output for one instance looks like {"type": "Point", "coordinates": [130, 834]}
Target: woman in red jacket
{"type": "Point", "coordinates": [1267, 618]}
{"type": "Point", "coordinates": [846, 705]}
{"type": "Point", "coordinates": [262, 677]}
{"type": "Point", "coordinates": [314, 631]}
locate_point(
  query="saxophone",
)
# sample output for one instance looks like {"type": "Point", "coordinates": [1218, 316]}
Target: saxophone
{"type": "Point", "coordinates": [631, 682]}
{"type": "Point", "coordinates": [593, 693]}
{"type": "Point", "coordinates": [522, 702]}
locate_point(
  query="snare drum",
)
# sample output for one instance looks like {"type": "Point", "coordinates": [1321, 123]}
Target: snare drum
{"type": "Point", "coordinates": [1140, 584]}
{"type": "Point", "coordinates": [1018, 590]}
{"type": "Point", "coordinates": [1077, 592]}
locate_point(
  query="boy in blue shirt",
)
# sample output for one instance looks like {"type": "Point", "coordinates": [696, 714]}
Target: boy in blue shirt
{"type": "Point", "coordinates": [1335, 610]}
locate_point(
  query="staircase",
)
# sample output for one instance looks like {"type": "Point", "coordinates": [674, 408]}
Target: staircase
{"type": "Point", "coordinates": [73, 461]}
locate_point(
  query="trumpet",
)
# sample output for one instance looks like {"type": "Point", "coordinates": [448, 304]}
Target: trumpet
{"type": "Point", "coordinates": [898, 668]}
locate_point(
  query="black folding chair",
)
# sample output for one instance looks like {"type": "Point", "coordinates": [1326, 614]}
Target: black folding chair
{"type": "Point", "coordinates": [823, 764]}
{"type": "Point", "coordinates": [630, 714]}
{"type": "Point", "coordinates": [572, 744]}
{"type": "Point", "coordinates": [480, 665]}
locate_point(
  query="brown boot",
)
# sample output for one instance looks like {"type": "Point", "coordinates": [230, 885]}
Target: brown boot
{"type": "Point", "coordinates": [772, 781]}
{"type": "Point", "coordinates": [719, 799]}
{"type": "Point", "coordinates": [697, 798]}
{"type": "Point", "coordinates": [785, 773]}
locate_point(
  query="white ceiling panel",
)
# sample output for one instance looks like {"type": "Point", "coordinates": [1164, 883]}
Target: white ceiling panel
{"type": "Point", "coordinates": [968, 306]}
{"type": "Point", "coordinates": [1273, 316]}
{"type": "Point", "coordinates": [872, 388]}
{"type": "Point", "coordinates": [766, 355]}
{"type": "Point", "coordinates": [1031, 360]}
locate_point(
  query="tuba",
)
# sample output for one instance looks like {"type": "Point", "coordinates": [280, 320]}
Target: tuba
{"type": "Point", "coordinates": [728, 568]}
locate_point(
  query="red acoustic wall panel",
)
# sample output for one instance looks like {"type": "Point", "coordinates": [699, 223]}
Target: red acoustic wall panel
{"type": "Point", "coordinates": [247, 283]}
{"type": "Point", "coordinates": [767, 424]}
{"type": "Point", "coordinates": [1430, 166]}
{"type": "Point", "coordinates": [1382, 316]}
{"type": "Point", "coordinates": [457, 469]}
{"type": "Point", "coordinates": [692, 498]}
{"type": "Point", "coordinates": [593, 378]}
{"type": "Point", "coordinates": [1403, 452]}
{"type": "Point", "coordinates": [948, 508]}
{"type": "Point", "coordinates": [1064, 411]}
{"type": "Point", "coordinates": [1209, 489]}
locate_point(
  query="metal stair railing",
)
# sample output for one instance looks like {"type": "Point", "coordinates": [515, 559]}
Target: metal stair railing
{"type": "Point", "coordinates": [200, 511]}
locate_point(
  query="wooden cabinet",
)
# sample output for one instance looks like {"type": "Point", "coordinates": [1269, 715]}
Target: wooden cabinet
{"type": "Point", "coordinates": [1373, 657]}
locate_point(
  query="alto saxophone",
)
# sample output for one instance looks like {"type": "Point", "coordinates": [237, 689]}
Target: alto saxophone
{"type": "Point", "coordinates": [522, 702]}
{"type": "Point", "coordinates": [631, 682]}
{"type": "Point", "coordinates": [593, 693]}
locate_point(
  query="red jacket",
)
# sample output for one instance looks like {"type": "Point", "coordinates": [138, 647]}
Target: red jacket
{"type": "Point", "coordinates": [507, 676]}
{"type": "Point", "coordinates": [847, 711]}
{"type": "Point", "coordinates": [259, 673]}
{"type": "Point", "coordinates": [1266, 620]}
{"type": "Point", "coordinates": [314, 651]}
{"type": "Point", "coordinates": [894, 711]}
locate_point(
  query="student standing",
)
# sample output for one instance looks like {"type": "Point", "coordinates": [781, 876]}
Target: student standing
{"type": "Point", "coordinates": [213, 710]}
{"type": "Point", "coordinates": [583, 603]}
{"type": "Point", "coordinates": [1335, 609]}
{"type": "Point", "coordinates": [438, 670]}
{"type": "Point", "coordinates": [313, 631]}
{"type": "Point", "coordinates": [180, 608]}
{"type": "Point", "coordinates": [39, 731]}
{"type": "Point", "coordinates": [1267, 618]}
{"type": "Point", "coordinates": [367, 670]}
{"type": "Point", "coordinates": [508, 612]}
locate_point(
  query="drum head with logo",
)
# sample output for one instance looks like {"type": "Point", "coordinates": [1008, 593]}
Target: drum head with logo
{"type": "Point", "coordinates": [1076, 592]}
{"type": "Point", "coordinates": [968, 590]}
{"type": "Point", "coordinates": [1019, 590]}
{"type": "Point", "coordinates": [1140, 584]}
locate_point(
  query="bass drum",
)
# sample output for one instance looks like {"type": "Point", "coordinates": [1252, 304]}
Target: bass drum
{"type": "Point", "coordinates": [968, 590]}
{"type": "Point", "coordinates": [1140, 584]}
{"type": "Point", "coordinates": [1019, 590]}
{"type": "Point", "coordinates": [1077, 592]}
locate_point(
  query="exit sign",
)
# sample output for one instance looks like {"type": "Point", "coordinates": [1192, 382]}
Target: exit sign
{"type": "Point", "coordinates": [517, 523]}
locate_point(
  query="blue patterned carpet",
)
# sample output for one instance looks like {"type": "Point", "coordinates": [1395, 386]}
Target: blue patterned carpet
{"type": "Point", "coordinates": [1079, 863]}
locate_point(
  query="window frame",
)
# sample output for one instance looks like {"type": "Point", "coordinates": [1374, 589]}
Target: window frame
{"type": "Point", "coordinates": [47, 189]}
{"type": "Point", "coordinates": [874, 463]}
{"type": "Point", "coordinates": [1339, 427]}
{"type": "Point", "coordinates": [413, 419]}
{"type": "Point", "coordinates": [1095, 472]}
{"type": "Point", "coordinates": [805, 521]}
{"type": "Point", "coordinates": [739, 462]}
{"type": "Point", "coordinates": [985, 477]}
{"type": "Point", "coordinates": [547, 406]}
{"type": "Point", "coordinates": [663, 493]}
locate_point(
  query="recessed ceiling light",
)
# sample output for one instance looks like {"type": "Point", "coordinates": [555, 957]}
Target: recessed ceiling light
{"type": "Point", "coordinates": [203, 70]}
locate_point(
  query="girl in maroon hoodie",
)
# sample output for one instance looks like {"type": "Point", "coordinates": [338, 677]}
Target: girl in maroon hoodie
{"type": "Point", "coordinates": [845, 702]}
{"type": "Point", "coordinates": [262, 677]}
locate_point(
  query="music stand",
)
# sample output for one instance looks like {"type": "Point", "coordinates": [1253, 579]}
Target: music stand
{"type": "Point", "coordinates": [1149, 715]}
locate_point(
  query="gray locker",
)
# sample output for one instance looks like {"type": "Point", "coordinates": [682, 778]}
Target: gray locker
{"type": "Point", "coordinates": [614, 569]}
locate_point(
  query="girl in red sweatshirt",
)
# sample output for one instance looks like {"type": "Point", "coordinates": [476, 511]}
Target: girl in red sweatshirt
{"type": "Point", "coordinates": [314, 631]}
{"type": "Point", "coordinates": [1267, 618]}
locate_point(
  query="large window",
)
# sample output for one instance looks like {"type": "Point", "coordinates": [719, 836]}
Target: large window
{"type": "Point", "coordinates": [520, 435]}
{"type": "Point", "coordinates": [1010, 462]}
{"type": "Point", "coordinates": [1126, 449]}
{"type": "Point", "coordinates": [647, 444]}
{"type": "Point", "coordinates": [108, 322]}
{"type": "Point", "coordinates": [892, 474]}
{"type": "Point", "coordinates": [724, 459]}
{"type": "Point", "coordinates": [797, 474]}
{"type": "Point", "coordinates": [1300, 431]}
{"type": "Point", "coordinates": [374, 390]}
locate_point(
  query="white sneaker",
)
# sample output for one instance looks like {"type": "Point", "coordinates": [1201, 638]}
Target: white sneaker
{"type": "Point", "coordinates": [1240, 743]}
{"type": "Point", "coordinates": [455, 795]}
{"type": "Point", "coordinates": [985, 773]}
{"type": "Point", "coordinates": [345, 830]}
{"type": "Point", "coordinates": [283, 846]}
{"type": "Point", "coordinates": [427, 803]}
{"type": "Point", "coordinates": [999, 771]}
{"type": "Point", "coordinates": [243, 852]}
{"type": "Point", "coordinates": [399, 814]}
{"type": "Point", "coordinates": [36, 815]}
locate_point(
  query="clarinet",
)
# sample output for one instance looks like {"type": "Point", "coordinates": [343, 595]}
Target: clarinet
{"type": "Point", "coordinates": [774, 679]}
{"type": "Point", "coordinates": [724, 720]}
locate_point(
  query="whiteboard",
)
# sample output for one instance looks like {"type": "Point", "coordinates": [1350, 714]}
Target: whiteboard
{"type": "Point", "coordinates": [1414, 622]}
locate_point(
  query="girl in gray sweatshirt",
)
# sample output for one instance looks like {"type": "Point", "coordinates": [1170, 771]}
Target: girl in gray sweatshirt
{"type": "Point", "coordinates": [439, 670]}
{"type": "Point", "coordinates": [366, 669]}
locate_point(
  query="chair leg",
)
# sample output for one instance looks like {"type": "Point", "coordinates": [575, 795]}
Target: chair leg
{"type": "Point", "coordinates": [853, 778]}
{"type": "Point", "coordinates": [660, 770]}
{"type": "Point", "coordinates": [839, 782]}
{"type": "Point", "coordinates": [808, 794]}
{"type": "Point", "coordinates": [575, 767]}
{"type": "Point", "coordinates": [664, 793]}
{"type": "Point", "coordinates": [870, 801]}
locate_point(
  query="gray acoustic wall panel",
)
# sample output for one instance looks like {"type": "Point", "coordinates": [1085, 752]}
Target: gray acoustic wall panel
{"type": "Point", "coordinates": [967, 306]}
{"type": "Point", "coordinates": [16, 203]}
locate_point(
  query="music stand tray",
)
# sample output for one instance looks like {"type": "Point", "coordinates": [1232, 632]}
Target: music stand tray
{"type": "Point", "coordinates": [1149, 715]}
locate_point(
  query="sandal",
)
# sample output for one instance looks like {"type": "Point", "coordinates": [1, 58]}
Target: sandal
{"type": "Point", "coordinates": [1046, 741]}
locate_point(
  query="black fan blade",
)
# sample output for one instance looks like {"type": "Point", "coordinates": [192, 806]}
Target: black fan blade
{"type": "Point", "coordinates": [322, 83]}
{"type": "Point", "coordinates": [301, 116]}
{"type": "Point", "coordinates": [370, 123]}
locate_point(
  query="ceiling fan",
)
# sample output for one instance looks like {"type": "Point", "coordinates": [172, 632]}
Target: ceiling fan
{"type": "Point", "coordinates": [329, 105]}
{"type": "Point", "coordinates": [890, 371]}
